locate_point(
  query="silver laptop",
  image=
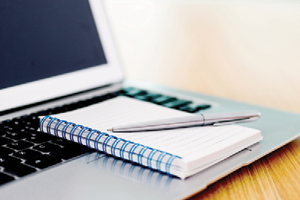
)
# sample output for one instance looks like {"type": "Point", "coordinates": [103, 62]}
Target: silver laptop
{"type": "Point", "coordinates": [58, 56]}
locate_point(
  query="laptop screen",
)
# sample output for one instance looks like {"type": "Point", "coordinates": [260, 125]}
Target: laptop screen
{"type": "Point", "coordinates": [41, 39]}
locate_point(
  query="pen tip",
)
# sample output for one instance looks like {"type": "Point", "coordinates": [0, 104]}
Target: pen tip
{"type": "Point", "coordinates": [109, 129]}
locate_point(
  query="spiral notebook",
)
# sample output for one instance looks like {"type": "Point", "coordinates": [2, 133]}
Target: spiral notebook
{"type": "Point", "coordinates": [179, 152]}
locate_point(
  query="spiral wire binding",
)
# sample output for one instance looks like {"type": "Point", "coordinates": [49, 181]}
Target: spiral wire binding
{"type": "Point", "coordinates": [101, 142]}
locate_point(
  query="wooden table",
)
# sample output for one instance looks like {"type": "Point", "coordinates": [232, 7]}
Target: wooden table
{"type": "Point", "coordinates": [246, 51]}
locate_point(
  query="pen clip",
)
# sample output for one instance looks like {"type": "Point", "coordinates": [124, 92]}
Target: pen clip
{"type": "Point", "coordinates": [234, 121]}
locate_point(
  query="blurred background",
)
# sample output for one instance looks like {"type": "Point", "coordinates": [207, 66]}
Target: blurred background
{"type": "Point", "coordinates": [243, 50]}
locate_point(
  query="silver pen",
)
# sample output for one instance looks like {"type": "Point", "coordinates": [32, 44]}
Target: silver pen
{"type": "Point", "coordinates": [181, 122]}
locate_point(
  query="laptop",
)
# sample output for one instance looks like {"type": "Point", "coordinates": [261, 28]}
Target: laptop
{"type": "Point", "coordinates": [58, 56]}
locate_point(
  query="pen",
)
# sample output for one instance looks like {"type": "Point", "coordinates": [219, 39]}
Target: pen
{"type": "Point", "coordinates": [181, 122]}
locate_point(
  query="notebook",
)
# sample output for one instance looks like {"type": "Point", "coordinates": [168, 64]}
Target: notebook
{"type": "Point", "coordinates": [180, 152]}
{"type": "Point", "coordinates": [58, 56]}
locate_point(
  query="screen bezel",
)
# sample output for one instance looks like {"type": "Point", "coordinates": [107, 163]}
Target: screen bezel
{"type": "Point", "coordinates": [69, 83]}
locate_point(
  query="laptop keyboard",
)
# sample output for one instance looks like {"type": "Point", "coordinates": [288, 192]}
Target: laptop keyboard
{"type": "Point", "coordinates": [24, 150]}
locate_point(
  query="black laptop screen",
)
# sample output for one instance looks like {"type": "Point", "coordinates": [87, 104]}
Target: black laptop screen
{"type": "Point", "coordinates": [44, 38]}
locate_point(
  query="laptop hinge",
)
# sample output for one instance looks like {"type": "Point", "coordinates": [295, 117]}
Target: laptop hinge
{"type": "Point", "coordinates": [15, 112]}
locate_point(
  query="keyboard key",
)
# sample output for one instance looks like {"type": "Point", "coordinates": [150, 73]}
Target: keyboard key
{"type": "Point", "coordinates": [204, 106]}
{"type": "Point", "coordinates": [19, 145]}
{"type": "Point", "coordinates": [176, 104]}
{"type": "Point", "coordinates": [68, 151]}
{"type": "Point", "coordinates": [135, 92]}
{"type": "Point", "coordinates": [31, 119]}
{"type": "Point", "coordinates": [59, 141]}
{"type": "Point", "coordinates": [8, 128]}
{"type": "Point", "coordinates": [192, 108]}
{"type": "Point", "coordinates": [5, 151]}
{"type": "Point", "coordinates": [81, 104]}
{"type": "Point", "coordinates": [7, 122]}
{"type": "Point", "coordinates": [4, 178]}
{"type": "Point", "coordinates": [27, 154]}
{"type": "Point", "coordinates": [71, 106]}
{"type": "Point", "coordinates": [66, 143]}
{"type": "Point", "coordinates": [39, 138]}
{"type": "Point", "coordinates": [148, 96]}
{"type": "Point", "coordinates": [8, 160]}
{"type": "Point", "coordinates": [30, 131]}
{"type": "Point", "coordinates": [97, 99]}
{"type": "Point", "coordinates": [2, 132]}
{"type": "Point", "coordinates": [34, 124]}
{"type": "Point", "coordinates": [70, 144]}
{"type": "Point", "coordinates": [43, 161]}
{"type": "Point", "coordinates": [163, 99]}
{"type": "Point", "coordinates": [18, 122]}
{"type": "Point", "coordinates": [142, 97]}
{"type": "Point", "coordinates": [30, 128]}
{"type": "Point", "coordinates": [41, 113]}
{"type": "Point", "coordinates": [16, 136]}
{"type": "Point", "coordinates": [19, 169]}
{"type": "Point", "coordinates": [25, 117]}
{"type": "Point", "coordinates": [50, 111]}
{"type": "Point", "coordinates": [4, 140]}
{"type": "Point", "coordinates": [36, 136]}
{"type": "Point", "coordinates": [60, 109]}
{"type": "Point", "coordinates": [151, 95]}
{"type": "Point", "coordinates": [46, 147]}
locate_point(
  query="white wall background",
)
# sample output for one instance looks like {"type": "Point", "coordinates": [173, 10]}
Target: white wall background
{"type": "Point", "coordinates": [252, 47]}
